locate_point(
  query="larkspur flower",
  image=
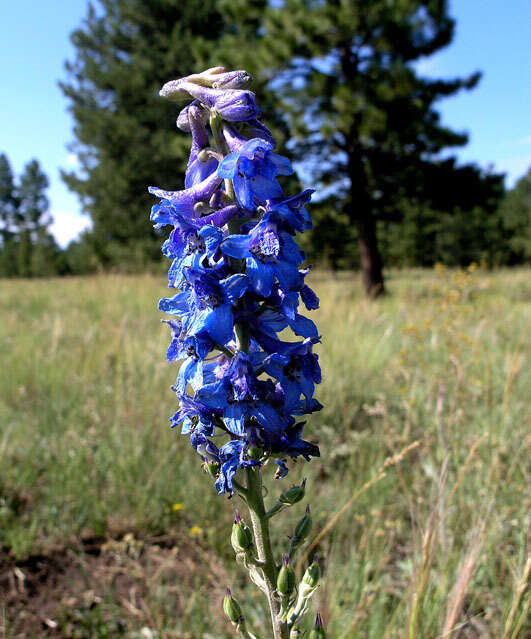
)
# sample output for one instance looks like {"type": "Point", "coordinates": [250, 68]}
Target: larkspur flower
{"type": "Point", "coordinates": [243, 387]}
{"type": "Point", "coordinates": [253, 170]}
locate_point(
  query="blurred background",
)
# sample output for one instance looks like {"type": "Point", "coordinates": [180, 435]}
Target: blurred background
{"type": "Point", "coordinates": [411, 120]}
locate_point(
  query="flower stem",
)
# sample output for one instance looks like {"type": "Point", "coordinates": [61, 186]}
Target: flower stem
{"type": "Point", "coordinates": [262, 538]}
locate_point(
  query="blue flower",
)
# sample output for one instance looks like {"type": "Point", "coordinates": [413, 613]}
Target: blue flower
{"type": "Point", "coordinates": [296, 369]}
{"type": "Point", "coordinates": [290, 213]}
{"type": "Point", "coordinates": [232, 456]}
{"type": "Point", "coordinates": [183, 345]}
{"type": "Point", "coordinates": [206, 304]}
{"type": "Point", "coordinates": [198, 170]}
{"type": "Point", "coordinates": [236, 140]}
{"type": "Point", "coordinates": [269, 254]}
{"type": "Point", "coordinates": [238, 290]}
{"type": "Point", "coordinates": [183, 202]}
{"type": "Point", "coordinates": [253, 170]}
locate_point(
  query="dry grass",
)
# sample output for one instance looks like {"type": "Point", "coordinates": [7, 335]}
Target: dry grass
{"type": "Point", "coordinates": [431, 544]}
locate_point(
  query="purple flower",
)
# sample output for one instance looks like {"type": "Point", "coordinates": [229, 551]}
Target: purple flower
{"type": "Point", "coordinates": [269, 255]}
{"type": "Point", "coordinates": [241, 281]}
{"type": "Point", "coordinates": [253, 170]}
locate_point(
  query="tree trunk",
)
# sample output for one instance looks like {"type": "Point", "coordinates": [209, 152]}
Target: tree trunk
{"type": "Point", "coordinates": [362, 216]}
{"type": "Point", "coordinates": [370, 258]}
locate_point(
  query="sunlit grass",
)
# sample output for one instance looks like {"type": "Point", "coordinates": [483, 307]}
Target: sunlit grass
{"type": "Point", "coordinates": [437, 544]}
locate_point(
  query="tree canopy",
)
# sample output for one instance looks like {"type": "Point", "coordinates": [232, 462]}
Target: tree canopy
{"type": "Point", "coordinates": [337, 78]}
{"type": "Point", "coordinates": [366, 121]}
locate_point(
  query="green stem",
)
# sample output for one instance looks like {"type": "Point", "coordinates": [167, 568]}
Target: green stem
{"type": "Point", "coordinates": [260, 522]}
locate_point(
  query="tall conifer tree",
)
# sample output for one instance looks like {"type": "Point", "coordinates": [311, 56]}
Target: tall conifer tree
{"type": "Point", "coordinates": [367, 119]}
{"type": "Point", "coordinates": [125, 51]}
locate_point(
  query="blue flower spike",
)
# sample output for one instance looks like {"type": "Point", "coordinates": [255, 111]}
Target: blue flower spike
{"type": "Point", "coordinates": [240, 275]}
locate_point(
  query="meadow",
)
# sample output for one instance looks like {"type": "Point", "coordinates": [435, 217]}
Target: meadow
{"type": "Point", "coordinates": [108, 527]}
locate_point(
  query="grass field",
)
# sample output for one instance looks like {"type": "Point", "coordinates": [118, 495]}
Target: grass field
{"type": "Point", "coordinates": [109, 529]}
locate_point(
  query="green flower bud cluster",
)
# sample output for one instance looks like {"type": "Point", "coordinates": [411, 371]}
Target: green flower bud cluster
{"type": "Point", "coordinates": [307, 588]}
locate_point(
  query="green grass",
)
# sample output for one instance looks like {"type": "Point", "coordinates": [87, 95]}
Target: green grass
{"type": "Point", "coordinates": [437, 545]}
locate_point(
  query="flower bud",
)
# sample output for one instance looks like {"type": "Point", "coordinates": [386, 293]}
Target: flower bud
{"type": "Point", "coordinates": [232, 104]}
{"type": "Point", "coordinates": [312, 575]}
{"type": "Point", "coordinates": [302, 529]}
{"type": "Point", "coordinates": [241, 537]}
{"type": "Point", "coordinates": [232, 80]}
{"type": "Point", "coordinates": [232, 608]}
{"type": "Point", "coordinates": [183, 120]}
{"type": "Point", "coordinates": [286, 578]}
{"type": "Point", "coordinates": [318, 631]}
{"type": "Point", "coordinates": [293, 494]}
{"type": "Point", "coordinates": [310, 581]}
{"type": "Point", "coordinates": [254, 452]}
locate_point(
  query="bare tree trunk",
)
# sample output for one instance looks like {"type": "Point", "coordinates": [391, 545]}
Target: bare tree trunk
{"type": "Point", "coordinates": [371, 261]}
{"type": "Point", "coordinates": [362, 216]}
{"type": "Point", "coordinates": [361, 204]}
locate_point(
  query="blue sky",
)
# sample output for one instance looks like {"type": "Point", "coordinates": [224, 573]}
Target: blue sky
{"type": "Point", "coordinates": [491, 36]}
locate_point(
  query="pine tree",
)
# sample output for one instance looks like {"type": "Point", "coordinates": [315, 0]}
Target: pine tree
{"type": "Point", "coordinates": [125, 51]}
{"type": "Point", "coordinates": [36, 248]}
{"type": "Point", "coordinates": [27, 248]}
{"type": "Point", "coordinates": [366, 121]}
{"type": "Point", "coordinates": [8, 218]}
{"type": "Point", "coordinates": [8, 199]}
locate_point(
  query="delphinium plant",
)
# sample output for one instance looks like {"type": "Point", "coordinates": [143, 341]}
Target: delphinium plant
{"type": "Point", "coordinates": [243, 391]}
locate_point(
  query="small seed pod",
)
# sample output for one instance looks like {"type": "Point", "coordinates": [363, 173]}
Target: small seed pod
{"type": "Point", "coordinates": [232, 608]}
{"type": "Point", "coordinates": [318, 631]}
{"type": "Point", "coordinates": [241, 537]}
{"type": "Point", "coordinates": [304, 526]}
{"type": "Point", "coordinates": [293, 494]}
{"type": "Point", "coordinates": [286, 578]}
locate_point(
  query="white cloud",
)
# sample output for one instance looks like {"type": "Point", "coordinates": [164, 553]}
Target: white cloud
{"type": "Point", "coordinates": [68, 226]}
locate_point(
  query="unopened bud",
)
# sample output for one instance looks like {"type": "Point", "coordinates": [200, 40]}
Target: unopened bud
{"type": "Point", "coordinates": [183, 119]}
{"type": "Point", "coordinates": [293, 494]}
{"type": "Point", "coordinates": [302, 529]}
{"type": "Point", "coordinates": [312, 575]}
{"type": "Point", "coordinates": [232, 80]}
{"type": "Point", "coordinates": [286, 578]}
{"type": "Point", "coordinates": [254, 452]}
{"type": "Point", "coordinates": [318, 631]}
{"type": "Point", "coordinates": [310, 580]}
{"type": "Point", "coordinates": [241, 537]}
{"type": "Point", "coordinates": [232, 608]}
